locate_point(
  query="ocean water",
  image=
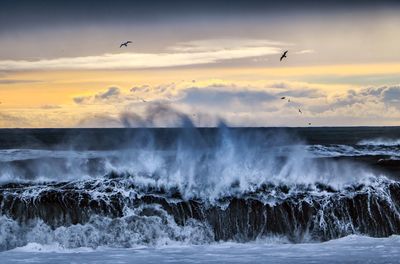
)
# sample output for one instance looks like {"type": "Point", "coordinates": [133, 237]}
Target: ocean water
{"type": "Point", "coordinates": [195, 195]}
{"type": "Point", "coordinates": [351, 249]}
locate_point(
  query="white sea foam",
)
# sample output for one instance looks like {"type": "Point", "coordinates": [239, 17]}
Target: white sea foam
{"type": "Point", "coordinates": [380, 142]}
{"type": "Point", "coordinates": [135, 228]}
{"type": "Point", "coordinates": [50, 248]}
{"type": "Point", "coordinates": [7, 155]}
{"type": "Point", "coordinates": [352, 151]}
{"type": "Point", "coordinates": [350, 249]}
{"type": "Point", "coordinates": [232, 166]}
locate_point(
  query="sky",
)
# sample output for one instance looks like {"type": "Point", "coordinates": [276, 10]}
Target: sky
{"type": "Point", "coordinates": [61, 64]}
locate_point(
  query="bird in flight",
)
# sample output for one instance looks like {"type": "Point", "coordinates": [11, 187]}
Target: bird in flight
{"type": "Point", "coordinates": [300, 111]}
{"type": "Point", "coordinates": [125, 44]}
{"type": "Point", "coordinates": [284, 55]}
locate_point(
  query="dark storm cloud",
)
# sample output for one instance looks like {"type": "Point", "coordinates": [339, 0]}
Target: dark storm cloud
{"type": "Point", "coordinates": [27, 13]}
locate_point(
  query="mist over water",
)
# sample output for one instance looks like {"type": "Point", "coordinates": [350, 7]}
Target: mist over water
{"type": "Point", "coordinates": [197, 164]}
{"type": "Point", "coordinates": [185, 157]}
{"type": "Point", "coordinates": [188, 185]}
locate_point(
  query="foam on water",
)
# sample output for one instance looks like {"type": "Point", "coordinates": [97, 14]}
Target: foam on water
{"type": "Point", "coordinates": [192, 190]}
{"type": "Point", "coordinates": [120, 213]}
{"type": "Point", "coordinates": [50, 248]}
{"type": "Point", "coordinates": [351, 249]}
{"type": "Point", "coordinates": [352, 151]}
{"type": "Point", "coordinates": [131, 230]}
{"type": "Point", "coordinates": [380, 142]}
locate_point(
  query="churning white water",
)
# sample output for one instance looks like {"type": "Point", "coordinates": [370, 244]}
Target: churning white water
{"type": "Point", "coordinates": [350, 249]}
{"type": "Point", "coordinates": [220, 196]}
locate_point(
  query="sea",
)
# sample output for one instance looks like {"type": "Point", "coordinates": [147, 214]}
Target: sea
{"type": "Point", "coordinates": [200, 195]}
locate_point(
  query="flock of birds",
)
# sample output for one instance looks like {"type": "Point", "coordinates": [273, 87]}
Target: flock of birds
{"type": "Point", "coordinates": [284, 55]}
{"type": "Point", "coordinates": [284, 97]}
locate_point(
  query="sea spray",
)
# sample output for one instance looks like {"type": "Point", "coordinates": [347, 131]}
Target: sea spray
{"type": "Point", "coordinates": [188, 185]}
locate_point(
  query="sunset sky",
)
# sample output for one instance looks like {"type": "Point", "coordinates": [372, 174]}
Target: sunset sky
{"type": "Point", "coordinates": [61, 64]}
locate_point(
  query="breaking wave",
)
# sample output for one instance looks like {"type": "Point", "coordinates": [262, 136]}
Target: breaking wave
{"type": "Point", "coordinates": [117, 213]}
{"type": "Point", "coordinates": [193, 186]}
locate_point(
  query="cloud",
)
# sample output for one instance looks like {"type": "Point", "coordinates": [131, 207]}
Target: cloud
{"type": "Point", "coordinates": [303, 92]}
{"type": "Point", "coordinates": [15, 81]}
{"type": "Point", "coordinates": [247, 105]}
{"type": "Point", "coordinates": [50, 106]}
{"type": "Point", "coordinates": [204, 102]}
{"type": "Point", "coordinates": [306, 51]}
{"type": "Point", "coordinates": [225, 96]}
{"type": "Point", "coordinates": [10, 121]}
{"type": "Point", "coordinates": [185, 54]}
{"type": "Point", "coordinates": [221, 44]}
{"type": "Point", "coordinates": [157, 89]}
{"type": "Point", "coordinates": [210, 96]}
{"type": "Point", "coordinates": [141, 89]}
{"type": "Point", "coordinates": [110, 93]}
{"type": "Point", "coordinates": [371, 100]}
{"type": "Point", "coordinates": [391, 95]}
{"type": "Point", "coordinates": [154, 115]}
{"type": "Point", "coordinates": [80, 99]}
{"type": "Point", "coordinates": [296, 89]}
{"type": "Point", "coordinates": [99, 121]}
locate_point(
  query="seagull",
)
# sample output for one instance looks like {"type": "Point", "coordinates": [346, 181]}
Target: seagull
{"type": "Point", "coordinates": [125, 44]}
{"type": "Point", "coordinates": [300, 111]}
{"type": "Point", "coordinates": [284, 55]}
